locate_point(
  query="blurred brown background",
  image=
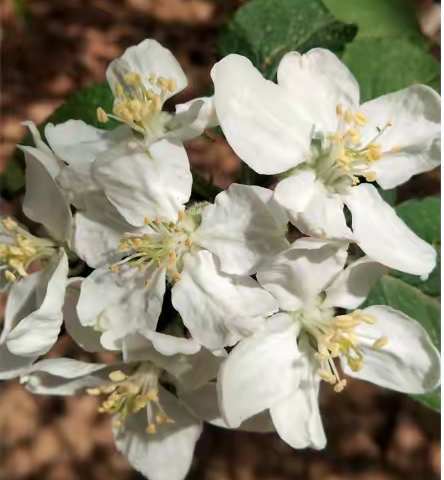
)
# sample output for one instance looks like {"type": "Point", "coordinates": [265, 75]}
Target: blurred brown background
{"type": "Point", "coordinates": [58, 46]}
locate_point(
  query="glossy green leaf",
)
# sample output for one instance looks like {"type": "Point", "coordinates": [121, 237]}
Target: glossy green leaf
{"type": "Point", "coordinates": [386, 65]}
{"type": "Point", "coordinates": [264, 30]}
{"type": "Point", "coordinates": [424, 309]}
{"type": "Point", "coordinates": [377, 18]}
{"type": "Point", "coordinates": [424, 218]}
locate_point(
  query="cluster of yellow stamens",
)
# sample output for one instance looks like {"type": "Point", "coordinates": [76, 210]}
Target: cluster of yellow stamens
{"type": "Point", "coordinates": [138, 104]}
{"type": "Point", "coordinates": [19, 251]}
{"type": "Point", "coordinates": [128, 394]}
{"type": "Point", "coordinates": [339, 340]}
{"type": "Point", "coordinates": [347, 158]}
{"type": "Point", "coordinates": [164, 246]}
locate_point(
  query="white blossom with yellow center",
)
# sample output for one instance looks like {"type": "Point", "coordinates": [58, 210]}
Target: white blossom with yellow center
{"type": "Point", "coordinates": [311, 129]}
{"type": "Point", "coordinates": [146, 397]}
{"type": "Point", "coordinates": [142, 79]}
{"type": "Point", "coordinates": [280, 367]}
{"type": "Point", "coordinates": [207, 256]}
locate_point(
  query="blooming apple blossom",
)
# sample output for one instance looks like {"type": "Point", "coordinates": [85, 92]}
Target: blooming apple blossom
{"type": "Point", "coordinates": [311, 128]}
{"type": "Point", "coordinates": [280, 367]}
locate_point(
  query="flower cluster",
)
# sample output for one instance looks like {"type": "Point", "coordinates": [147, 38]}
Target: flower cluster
{"type": "Point", "coordinates": [174, 283]}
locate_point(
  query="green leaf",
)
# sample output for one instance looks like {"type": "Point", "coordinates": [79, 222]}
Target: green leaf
{"type": "Point", "coordinates": [423, 217]}
{"type": "Point", "coordinates": [377, 18]}
{"type": "Point", "coordinates": [386, 65]}
{"type": "Point", "coordinates": [424, 309]}
{"type": "Point", "coordinates": [388, 195]}
{"type": "Point", "coordinates": [264, 30]}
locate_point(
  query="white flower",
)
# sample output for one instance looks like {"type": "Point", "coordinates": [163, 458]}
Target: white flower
{"type": "Point", "coordinates": [142, 79]}
{"type": "Point", "coordinates": [280, 367]}
{"type": "Point", "coordinates": [311, 127]}
{"type": "Point", "coordinates": [152, 427]}
{"type": "Point", "coordinates": [207, 257]}
{"type": "Point", "coordinates": [33, 313]}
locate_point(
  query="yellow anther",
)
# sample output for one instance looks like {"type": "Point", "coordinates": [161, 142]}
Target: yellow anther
{"type": "Point", "coordinates": [10, 276]}
{"type": "Point", "coordinates": [132, 78]}
{"type": "Point", "coordinates": [339, 110]}
{"type": "Point", "coordinates": [106, 389]}
{"type": "Point", "coordinates": [18, 266]}
{"type": "Point", "coordinates": [389, 123]}
{"type": "Point", "coordinates": [370, 176]}
{"type": "Point", "coordinates": [137, 242]}
{"type": "Point", "coordinates": [171, 259]}
{"type": "Point", "coordinates": [102, 117]}
{"type": "Point", "coordinates": [381, 342]}
{"type": "Point", "coordinates": [395, 148]}
{"type": "Point", "coordinates": [162, 83]}
{"type": "Point", "coordinates": [355, 364]}
{"type": "Point", "coordinates": [135, 107]}
{"type": "Point", "coordinates": [152, 395]}
{"type": "Point", "coordinates": [158, 219]}
{"type": "Point", "coordinates": [176, 276]}
{"type": "Point", "coordinates": [188, 242]}
{"type": "Point", "coordinates": [114, 268]}
{"type": "Point", "coordinates": [327, 376]}
{"type": "Point", "coordinates": [146, 220]}
{"type": "Point", "coordinates": [93, 391]}
{"type": "Point", "coordinates": [172, 85]}
{"type": "Point", "coordinates": [9, 223]}
{"type": "Point", "coordinates": [340, 386]}
{"type": "Point", "coordinates": [119, 90]}
{"type": "Point", "coordinates": [348, 117]}
{"type": "Point", "coordinates": [355, 180]}
{"type": "Point", "coordinates": [345, 321]}
{"type": "Point", "coordinates": [181, 215]}
{"type": "Point", "coordinates": [117, 376]}
{"type": "Point", "coordinates": [122, 111]}
{"type": "Point", "coordinates": [374, 152]}
{"type": "Point", "coordinates": [360, 118]}
{"type": "Point", "coordinates": [152, 79]}
{"type": "Point", "coordinates": [151, 429]}
{"type": "Point", "coordinates": [335, 349]}
{"type": "Point", "coordinates": [368, 319]}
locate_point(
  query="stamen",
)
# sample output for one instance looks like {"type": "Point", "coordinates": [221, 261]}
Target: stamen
{"type": "Point", "coordinates": [395, 148]}
{"type": "Point", "coordinates": [339, 110]}
{"type": "Point", "coordinates": [360, 119]}
{"type": "Point", "coordinates": [380, 342]}
{"type": "Point", "coordinates": [102, 117]}
{"type": "Point", "coordinates": [117, 376]}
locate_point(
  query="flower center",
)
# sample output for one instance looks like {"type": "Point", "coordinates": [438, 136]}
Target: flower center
{"type": "Point", "coordinates": [128, 394]}
{"type": "Point", "coordinates": [341, 158]}
{"type": "Point", "coordinates": [335, 337]}
{"type": "Point", "coordinates": [139, 106]}
{"type": "Point", "coordinates": [19, 249]}
{"type": "Point", "coordinates": [165, 245]}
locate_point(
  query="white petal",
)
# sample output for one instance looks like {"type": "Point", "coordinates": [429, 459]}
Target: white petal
{"type": "Point", "coordinates": [87, 337]}
{"type": "Point", "coordinates": [203, 403]}
{"type": "Point", "coordinates": [21, 302]}
{"type": "Point", "coordinates": [408, 363]}
{"type": "Point", "coordinates": [323, 216]}
{"type": "Point", "coordinates": [260, 121]}
{"type": "Point", "coordinates": [193, 117]}
{"type": "Point", "coordinates": [44, 202]}
{"type": "Point", "coordinates": [218, 308]}
{"type": "Point", "coordinates": [295, 192]}
{"type": "Point", "coordinates": [297, 275]}
{"type": "Point", "coordinates": [297, 418]}
{"type": "Point", "coordinates": [149, 57]}
{"type": "Point", "coordinates": [145, 183]}
{"type": "Point", "coordinates": [170, 345]}
{"type": "Point", "coordinates": [260, 371]}
{"type": "Point", "coordinates": [244, 227]}
{"type": "Point", "coordinates": [351, 287]}
{"type": "Point", "coordinates": [65, 376]}
{"type": "Point", "coordinates": [95, 243]}
{"type": "Point", "coordinates": [78, 143]}
{"type": "Point", "coordinates": [415, 113]}
{"type": "Point", "coordinates": [168, 453]}
{"type": "Point", "coordinates": [39, 143]}
{"type": "Point", "coordinates": [36, 333]}
{"type": "Point", "coordinates": [384, 236]}
{"type": "Point", "coordinates": [319, 81]}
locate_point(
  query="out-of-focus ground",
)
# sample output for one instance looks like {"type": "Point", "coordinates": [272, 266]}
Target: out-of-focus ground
{"type": "Point", "coordinates": [61, 45]}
